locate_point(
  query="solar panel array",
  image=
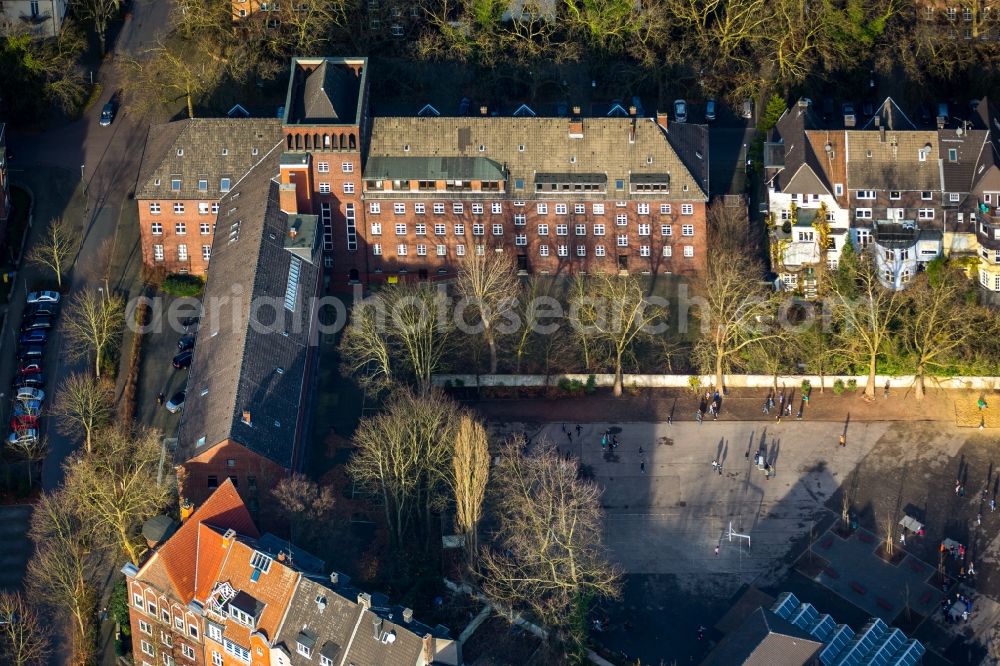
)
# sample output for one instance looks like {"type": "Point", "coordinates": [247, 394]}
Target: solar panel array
{"type": "Point", "coordinates": [876, 644]}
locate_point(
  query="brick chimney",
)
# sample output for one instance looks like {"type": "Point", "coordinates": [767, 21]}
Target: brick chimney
{"type": "Point", "coordinates": [288, 198]}
{"type": "Point", "coordinates": [428, 648]}
{"type": "Point", "coordinates": [661, 120]}
{"type": "Point", "coordinates": [576, 124]}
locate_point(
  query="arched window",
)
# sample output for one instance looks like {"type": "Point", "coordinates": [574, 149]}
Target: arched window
{"type": "Point", "coordinates": [316, 144]}
{"type": "Point", "coordinates": [298, 142]}
{"type": "Point", "coordinates": [288, 140]}
{"type": "Point", "coordinates": [352, 141]}
{"type": "Point", "coordinates": [326, 140]}
{"type": "Point", "coordinates": [343, 142]}
{"type": "Point", "coordinates": [308, 142]}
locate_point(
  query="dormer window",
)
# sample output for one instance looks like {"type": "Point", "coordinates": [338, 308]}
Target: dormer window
{"type": "Point", "coordinates": [180, 152]}
{"type": "Point", "coordinates": [254, 151]}
{"type": "Point", "coordinates": [225, 151]}
{"type": "Point", "coordinates": [260, 561]}
{"type": "Point", "coordinates": [224, 184]}
{"type": "Point", "coordinates": [175, 184]}
{"type": "Point", "coordinates": [203, 185]}
{"type": "Point", "coordinates": [953, 154]}
{"type": "Point", "coordinates": [482, 148]}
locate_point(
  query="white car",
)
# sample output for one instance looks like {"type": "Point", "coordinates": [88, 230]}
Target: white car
{"type": "Point", "coordinates": [23, 436]}
{"type": "Point", "coordinates": [28, 393]}
{"type": "Point", "coordinates": [43, 297]}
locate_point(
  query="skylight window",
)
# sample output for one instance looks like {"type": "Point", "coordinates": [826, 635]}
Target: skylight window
{"type": "Point", "coordinates": [292, 288]}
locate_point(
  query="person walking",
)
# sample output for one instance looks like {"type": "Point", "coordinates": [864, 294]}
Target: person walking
{"type": "Point", "coordinates": [160, 398]}
{"type": "Point", "coordinates": [698, 416]}
{"type": "Point", "coordinates": [670, 419]}
{"type": "Point", "coordinates": [993, 505]}
{"type": "Point", "coordinates": [716, 551]}
{"type": "Point", "coordinates": [579, 429]}
{"type": "Point", "coordinates": [843, 440]}
{"type": "Point", "coordinates": [642, 466]}
{"type": "Point", "coordinates": [720, 469]}
{"type": "Point", "coordinates": [715, 465]}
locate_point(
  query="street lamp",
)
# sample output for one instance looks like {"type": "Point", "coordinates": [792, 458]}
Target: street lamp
{"type": "Point", "coordinates": [83, 180]}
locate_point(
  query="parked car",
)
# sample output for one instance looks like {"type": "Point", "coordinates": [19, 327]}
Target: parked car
{"type": "Point", "coordinates": [849, 118]}
{"type": "Point", "coordinates": [39, 323]}
{"type": "Point", "coordinates": [30, 352]}
{"type": "Point", "coordinates": [27, 407]}
{"type": "Point", "coordinates": [188, 321]}
{"type": "Point", "coordinates": [680, 111]}
{"type": "Point", "coordinates": [43, 297]}
{"type": "Point", "coordinates": [33, 338]}
{"type": "Point", "coordinates": [747, 111]}
{"type": "Point", "coordinates": [868, 108]}
{"type": "Point", "coordinates": [28, 367]}
{"type": "Point", "coordinates": [29, 381]}
{"type": "Point", "coordinates": [185, 343]}
{"type": "Point", "coordinates": [763, 208]}
{"type": "Point", "coordinates": [29, 393]}
{"type": "Point", "coordinates": [942, 110]}
{"type": "Point", "coordinates": [176, 402]}
{"type": "Point", "coordinates": [29, 435]}
{"type": "Point", "coordinates": [827, 109]}
{"type": "Point", "coordinates": [23, 422]}
{"type": "Point", "coordinates": [38, 309]}
{"type": "Point", "coordinates": [108, 114]}
{"type": "Point", "coordinates": [710, 110]}
{"type": "Point", "coordinates": [183, 360]}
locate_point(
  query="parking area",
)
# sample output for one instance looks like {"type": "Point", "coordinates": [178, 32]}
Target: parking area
{"type": "Point", "coordinates": [158, 376]}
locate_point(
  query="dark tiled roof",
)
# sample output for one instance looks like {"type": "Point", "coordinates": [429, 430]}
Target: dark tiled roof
{"type": "Point", "coordinates": [891, 117]}
{"type": "Point", "coordinates": [329, 93]}
{"type": "Point", "coordinates": [893, 163]}
{"type": "Point", "coordinates": [434, 168]}
{"type": "Point", "coordinates": [790, 131]}
{"type": "Point", "coordinates": [765, 639]}
{"type": "Point", "coordinates": [210, 149]}
{"type": "Point", "coordinates": [241, 363]}
{"type": "Point", "coordinates": [691, 143]}
{"type": "Point", "coordinates": [960, 174]}
{"type": "Point", "coordinates": [530, 145]}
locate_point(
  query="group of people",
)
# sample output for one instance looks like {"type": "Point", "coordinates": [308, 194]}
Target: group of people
{"type": "Point", "coordinates": [953, 609]}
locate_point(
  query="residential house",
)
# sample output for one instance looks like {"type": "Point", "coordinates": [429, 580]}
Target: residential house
{"type": "Point", "coordinates": [244, 414]}
{"type": "Point", "coordinates": [217, 592]}
{"type": "Point", "coordinates": [40, 18]}
{"type": "Point", "coordinates": [983, 203]}
{"type": "Point", "coordinates": [187, 166]}
{"type": "Point", "coordinates": [959, 19]}
{"type": "Point", "coordinates": [409, 197]}
{"type": "Point", "coordinates": [4, 184]}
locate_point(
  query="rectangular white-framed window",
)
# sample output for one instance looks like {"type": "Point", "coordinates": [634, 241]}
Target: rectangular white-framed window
{"type": "Point", "coordinates": [419, 208]}
{"type": "Point", "coordinates": [216, 659]}
{"type": "Point", "coordinates": [180, 228]}
{"type": "Point", "coordinates": [806, 236]}
{"type": "Point", "coordinates": [304, 650]}
{"type": "Point", "coordinates": [215, 208]}
{"type": "Point", "coordinates": [687, 209]}
{"type": "Point", "coordinates": [664, 209]}
{"type": "Point", "coordinates": [562, 250]}
{"type": "Point", "coordinates": [178, 207]}
{"type": "Point", "coordinates": [518, 203]}
{"type": "Point", "coordinates": [895, 195]}
{"type": "Point", "coordinates": [543, 230]}
{"type": "Point", "coordinates": [440, 229]}
{"type": "Point", "coordinates": [156, 229]}
{"type": "Point", "coordinates": [374, 207]}
{"type": "Point", "coordinates": [598, 208]}
{"type": "Point", "coordinates": [442, 250]}
{"type": "Point", "coordinates": [954, 197]}
{"type": "Point", "coordinates": [439, 209]}
{"type": "Point", "coordinates": [203, 208]}
{"type": "Point", "coordinates": [581, 229]}
{"type": "Point", "coordinates": [480, 250]}
{"type": "Point", "coordinates": [478, 229]}
{"type": "Point", "coordinates": [643, 250]}
{"type": "Point", "coordinates": [166, 639]}
{"type": "Point", "coordinates": [542, 209]}
{"type": "Point", "coordinates": [543, 250]}
{"type": "Point", "coordinates": [401, 228]}
{"type": "Point", "coordinates": [137, 600]}
{"type": "Point", "coordinates": [187, 651]}
{"type": "Point", "coordinates": [347, 167]}
{"type": "Point", "coordinates": [687, 230]}
{"type": "Point", "coordinates": [459, 229]}
{"type": "Point", "coordinates": [377, 249]}
{"type": "Point", "coordinates": [224, 184]}
{"type": "Point", "coordinates": [562, 230]}
{"type": "Point", "coordinates": [154, 208]}
{"type": "Point", "coordinates": [581, 250]}
{"type": "Point", "coordinates": [666, 230]}
{"type": "Point", "coordinates": [622, 240]}
{"type": "Point", "coordinates": [420, 229]}
{"type": "Point", "coordinates": [323, 167]}
{"type": "Point", "coordinates": [157, 256]}
{"type": "Point", "coordinates": [645, 229]}
{"type": "Point", "coordinates": [642, 208]}
{"type": "Point", "coordinates": [496, 207]}
{"type": "Point", "coordinates": [863, 213]}
{"type": "Point", "coordinates": [561, 209]}
{"type": "Point", "coordinates": [401, 250]}
{"type": "Point", "coordinates": [866, 194]}
{"type": "Point", "coordinates": [348, 188]}
{"type": "Point", "coordinates": [324, 188]}
{"type": "Point", "coordinates": [520, 219]}
{"type": "Point", "coordinates": [925, 214]}
{"type": "Point", "coordinates": [600, 251]}
{"type": "Point", "coordinates": [399, 208]}
{"type": "Point", "coordinates": [460, 250]}
{"type": "Point", "coordinates": [838, 189]}
{"type": "Point", "coordinates": [205, 228]}
{"type": "Point", "coordinates": [147, 648]}
{"type": "Point", "coordinates": [621, 219]}
{"type": "Point", "coordinates": [145, 627]}
{"type": "Point", "coordinates": [598, 229]}
{"type": "Point", "coordinates": [580, 209]}
{"type": "Point", "coordinates": [376, 228]}
{"type": "Point", "coordinates": [477, 209]}
{"type": "Point", "coordinates": [498, 230]}
{"type": "Point", "coordinates": [689, 250]}
{"type": "Point", "coordinates": [927, 196]}
{"type": "Point", "coordinates": [668, 251]}
{"type": "Point", "coordinates": [457, 208]}
{"type": "Point", "coordinates": [175, 184]}
{"type": "Point", "coordinates": [206, 252]}
{"type": "Point", "coordinates": [182, 252]}
{"type": "Point", "coordinates": [421, 250]}
{"type": "Point", "coordinates": [520, 239]}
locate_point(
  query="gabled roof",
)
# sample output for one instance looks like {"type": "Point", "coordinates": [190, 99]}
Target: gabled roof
{"type": "Point", "coordinates": [325, 91]}
{"type": "Point", "coordinates": [960, 174]}
{"type": "Point", "coordinates": [789, 135]}
{"type": "Point", "coordinates": [206, 149]}
{"type": "Point", "coordinates": [765, 639]}
{"type": "Point", "coordinates": [828, 158]}
{"type": "Point", "coordinates": [191, 556]}
{"type": "Point", "coordinates": [264, 595]}
{"type": "Point", "coordinates": [805, 181]}
{"type": "Point", "coordinates": [243, 364]}
{"type": "Point", "coordinates": [891, 162]}
{"type": "Point", "coordinates": [891, 117]}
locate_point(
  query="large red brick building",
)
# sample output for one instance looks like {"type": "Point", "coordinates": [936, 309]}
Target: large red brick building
{"type": "Point", "coordinates": [408, 197]}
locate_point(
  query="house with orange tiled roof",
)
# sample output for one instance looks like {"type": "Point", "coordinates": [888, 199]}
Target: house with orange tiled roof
{"type": "Point", "coordinates": [218, 592]}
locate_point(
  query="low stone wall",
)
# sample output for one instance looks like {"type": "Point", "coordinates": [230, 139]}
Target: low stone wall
{"type": "Point", "coordinates": [732, 381]}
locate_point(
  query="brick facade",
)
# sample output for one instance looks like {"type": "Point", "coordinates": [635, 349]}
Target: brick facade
{"type": "Point", "coordinates": [251, 473]}
{"type": "Point", "coordinates": [162, 627]}
{"type": "Point", "coordinates": [177, 234]}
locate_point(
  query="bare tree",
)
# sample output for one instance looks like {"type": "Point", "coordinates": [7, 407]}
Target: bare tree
{"type": "Point", "coordinates": [92, 323]}
{"type": "Point", "coordinates": [614, 315]}
{"type": "Point", "coordinates": [32, 450]}
{"type": "Point", "coordinates": [56, 248]}
{"type": "Point", "coordinates": [116, 486]}
{"type": "Point", "coordinates": [549, 556]}
{"type": "Point", "coordinates": [83, 405]}
{"type": "Point", "coordinates": [401, 332]}
{"type": "Point", "coordinates": [864, 312]}
{"type": "Point", "coordinates": [23, 634]}
{"type": "Point", "coordinates": [403, 455]}
{"type": "Point", "coordinates": [470, 473]}
{"type": "Point", "coordinates": [58, 571]}
{"type": "Point", "coordinates": [489, 284]}
{"type": "Point", "coordinates": [305, 504]}
{"type": "Point", "coordinates": [167, 74]}
{"type": "Point", "coordinates": [100, 12]}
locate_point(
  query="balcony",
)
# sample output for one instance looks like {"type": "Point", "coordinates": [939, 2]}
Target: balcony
{"type": "Point", "coordinates": [896, 234]}
{"type": "Point", "coordinates": [988, 226]}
